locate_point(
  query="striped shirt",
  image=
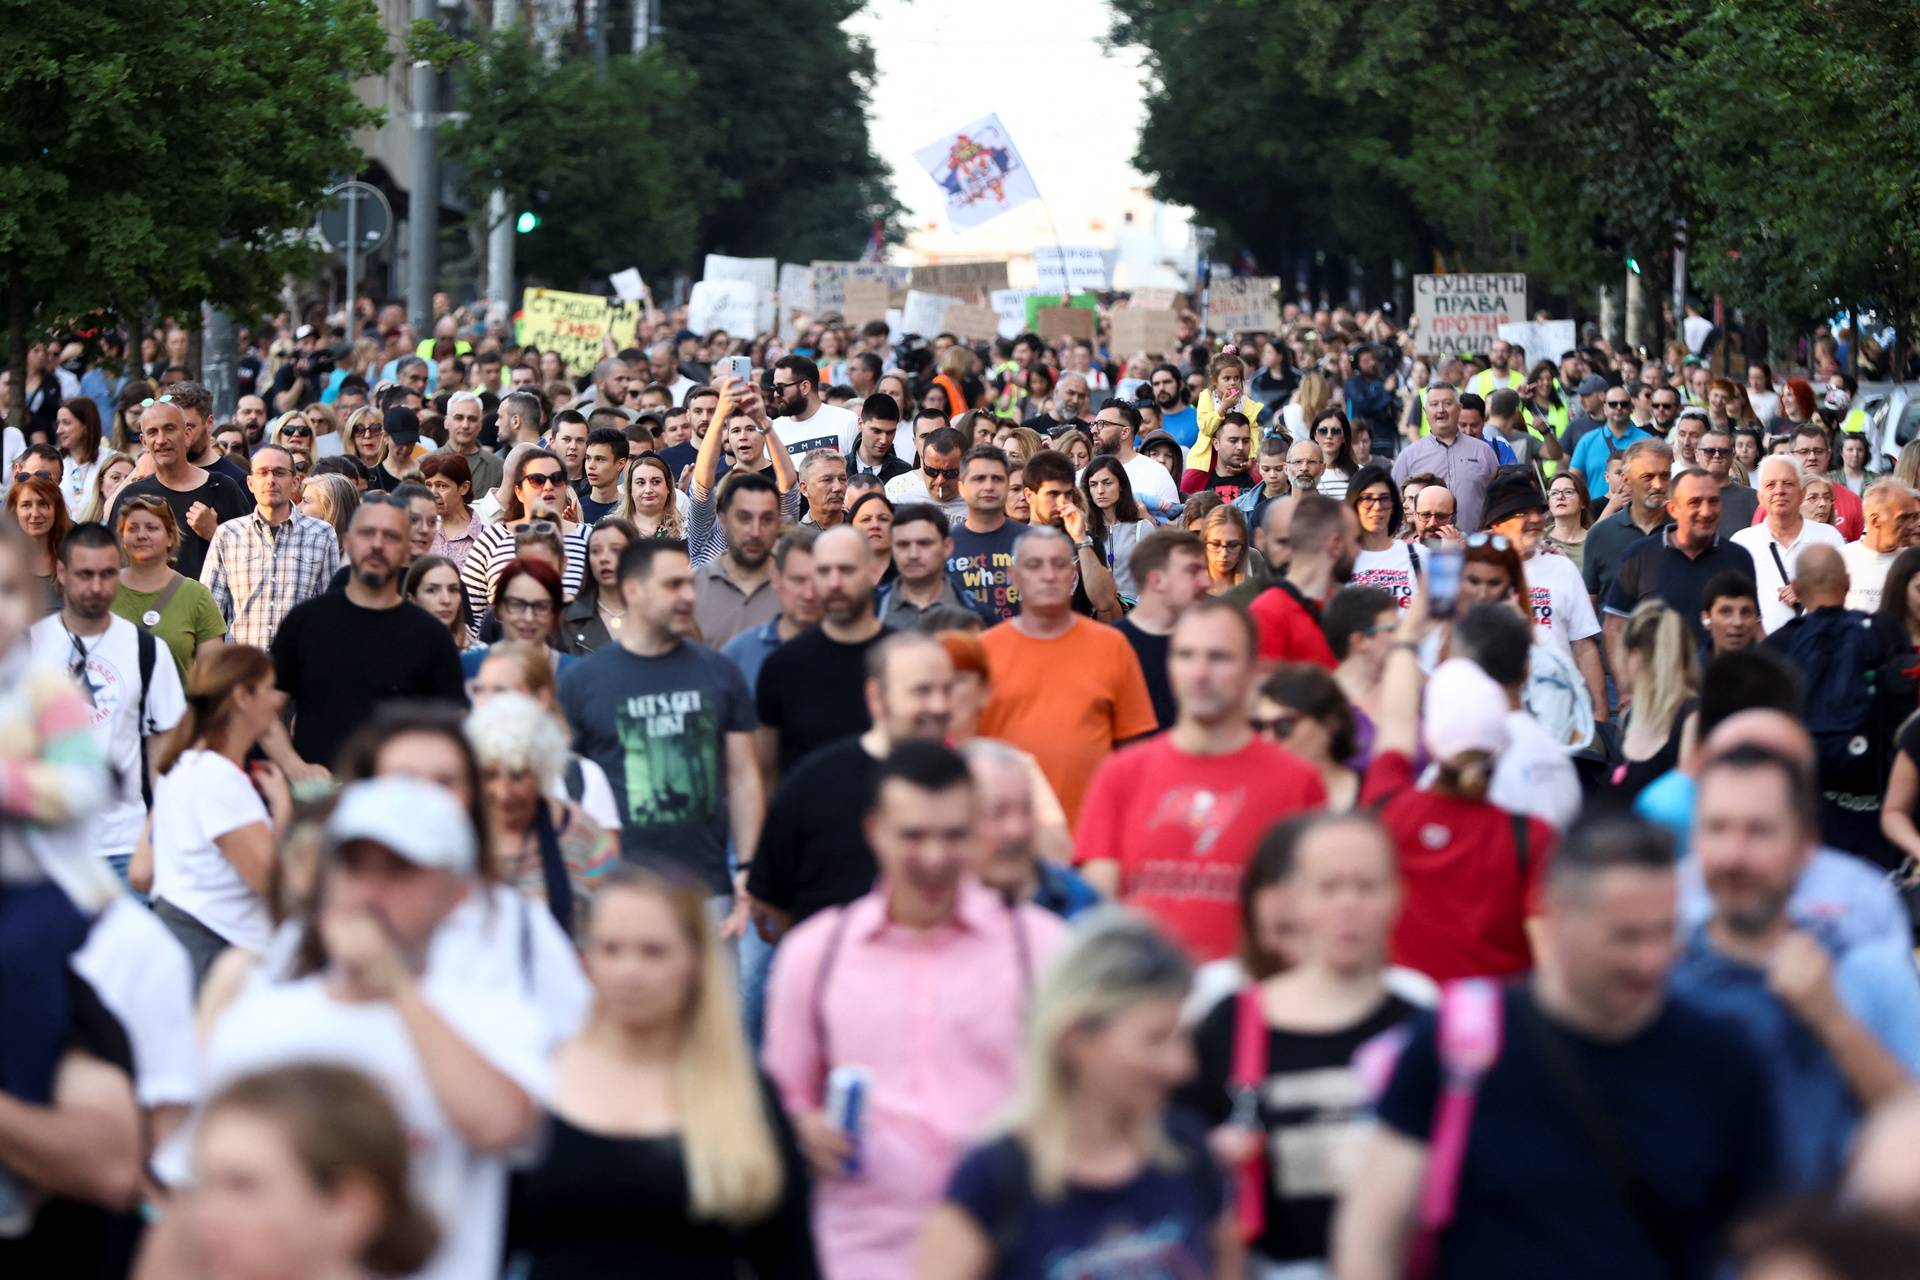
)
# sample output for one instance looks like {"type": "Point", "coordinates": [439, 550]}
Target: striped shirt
{"type": "Point", "coordinates": [707, 540]}
{"type": "Point", "coordinates": [257, 571]}
{"type": "Point", "coordinates": [492, 550]}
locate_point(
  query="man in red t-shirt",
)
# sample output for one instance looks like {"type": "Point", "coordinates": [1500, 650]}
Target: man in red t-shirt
{"type": "Point", "coordinates": [1170, 823]}
{"type": "Point", "coordinates": [1325, 539]}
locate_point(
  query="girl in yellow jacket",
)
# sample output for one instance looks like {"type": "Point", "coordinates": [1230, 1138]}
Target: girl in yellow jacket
{"type": "Point", "coordinates": [1225, 394]}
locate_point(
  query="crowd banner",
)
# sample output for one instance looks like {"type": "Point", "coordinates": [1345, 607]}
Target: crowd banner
{"type": "Point", "coordinates": [574, 325]}
{"type": "Point", "coordinates": [830, 281]}
{"type": "Point", "coordinates": [926, 313]}
{"type": "Point", "coordinates": [1156, 332]}
{"type": "Point", "coordinates": [1156, 300]}
{"type": "Point", "coordinates": [1541, 339]}
{"type": "Point", "coordinates": [944, 277]}
{"type": "Point", "coordinates": [1244, 304]}
{"type": "Point", "coordinates": [1066, 268]}
{"type": "Point", "coordinates": [761, 273]}
{"type": "Point", "coordinates": [1035, 302]}
{"type": "Point", "coordinates": [863, 301]}
{"type": "Point", "coordinates": [1067, 322]}
{"type": "Point", "coordinates": [981, 172]}
{"type": "Point", "coordinates": [794, 295]}
{"type": "Point", "coordinates": [733, 305]}
{"type": "Point", "coordinates": [1460, 314]}
{"type": "Point", "coordinates": [973, 324]}
{"type": "Point", "coordinates": [627, 285]}
{"type": "Point", "coordinates": [1011, 306]}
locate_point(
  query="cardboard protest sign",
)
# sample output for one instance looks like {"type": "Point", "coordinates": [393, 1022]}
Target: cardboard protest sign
{"type": "Point", "coordinates": [925, 313]}
{"type": "Point", "coordinates": [1156, 299]}
{"type": "Point", "coordinates": [733, 305]}
{"type": "Point", "coordinates": [944, 277]}
{"type": "Point", "coordinates": [1154, 332]}
{"type": "Point", "coordinates": [1462, 313]}
{"type": "Point", "coordinates": [1036, 301]}
{"type": "Point", "coordinates": [573, 324]}
{"type": "Point", "coordinates": [1065, 268]}
{"type": "Point", "coordinates": [1066, 322]}
{"type": "Point", "coordinates": [973, 324]}
{"type": "Point", "coordinates": [1243, 304]}
{"type": "Point", "coordinates": [864, 300]}
{"type": "Point", "coordinates": [830, 280]}
{"type": "Point", "coordinates": [1011, 306]}
{"type": "Point", "coordinates": [1542, 339]}
{"type": "Point", "coordinates": [761, 273]}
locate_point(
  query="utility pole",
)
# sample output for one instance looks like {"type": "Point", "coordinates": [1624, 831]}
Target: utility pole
{"type": "Point", "coordinates": [643, 22]}
{"type": "Point", "coordinates": [423, 200]}
{"type": "Point", "coordinates": [500, 222]}
{"type": "Point", "coordinates": [1680, 278]}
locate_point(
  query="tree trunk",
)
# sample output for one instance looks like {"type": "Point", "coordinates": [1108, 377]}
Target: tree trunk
{"type": "Point", "coordinates": [16, 347]}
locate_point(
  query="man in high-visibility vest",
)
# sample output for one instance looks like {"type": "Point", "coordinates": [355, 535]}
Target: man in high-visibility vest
{"type": "Point", "coordinates": [1497, 374]}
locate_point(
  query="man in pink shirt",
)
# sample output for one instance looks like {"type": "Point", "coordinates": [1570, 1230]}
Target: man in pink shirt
{"type": "Point", "coordinates": [924, 982]}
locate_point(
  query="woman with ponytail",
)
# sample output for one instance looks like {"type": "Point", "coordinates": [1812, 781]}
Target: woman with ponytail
{"type": "Point", "coordinates": [215, 828]}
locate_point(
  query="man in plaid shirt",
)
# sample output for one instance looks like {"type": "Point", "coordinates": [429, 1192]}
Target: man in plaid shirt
{"type": "Point", "coordinates": [262, 564]}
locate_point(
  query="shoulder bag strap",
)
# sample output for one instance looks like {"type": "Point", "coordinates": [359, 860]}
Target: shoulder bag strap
{"type": "Point", "coordinates": [168, 592]}
{"type": "Point", "coordinates": [553, 866]}
{"type": "Point", "coordinates": [1467, 1040]}
{"type": "Point", "coordinates": [1603, 1138]}
{"type": "Point", "coordinates": [818, 1005]}
{"type": "Point", "coordinates": [1786, 578]}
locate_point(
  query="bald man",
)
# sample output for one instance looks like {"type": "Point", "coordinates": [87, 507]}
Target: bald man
{"type": "Point", "coordinates": [1892, 513]}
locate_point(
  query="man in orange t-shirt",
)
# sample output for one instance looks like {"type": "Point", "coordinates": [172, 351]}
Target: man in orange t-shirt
{"type": "Point", "coordinates": [1065, 689]}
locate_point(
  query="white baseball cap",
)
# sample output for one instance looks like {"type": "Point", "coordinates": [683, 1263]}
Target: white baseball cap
{"type": "Point", "coordinates": [415, 820]}
{"type": "Point", "coordinates": [1465, 711]}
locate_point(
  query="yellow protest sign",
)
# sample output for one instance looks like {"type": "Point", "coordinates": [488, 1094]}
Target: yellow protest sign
{"type": "Point", "coordinates": [573, 325]}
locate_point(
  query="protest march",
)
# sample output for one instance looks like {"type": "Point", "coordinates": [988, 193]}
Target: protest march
{"type": "Point", "coordinates": [938, 767]}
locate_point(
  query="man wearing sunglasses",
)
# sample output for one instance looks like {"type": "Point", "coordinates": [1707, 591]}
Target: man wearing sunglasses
{"type": "Point", "coordinates": [937, 478]}
{"type": "Point", "coordinates": [804, 423]}
{"type": "Point", "coordinates": [1738, 502]}
{"type": "Point", "coordinates": [1615, 435]}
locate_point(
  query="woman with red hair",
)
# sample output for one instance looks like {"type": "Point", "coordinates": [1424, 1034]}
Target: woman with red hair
{"type": "Point", "coordinates": [37, 507]}
{"type": "Point", "coordinates": [527, 598]}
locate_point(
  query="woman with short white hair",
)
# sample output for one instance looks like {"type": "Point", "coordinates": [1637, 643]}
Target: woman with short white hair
{"type": "Point", "coordinates": [547, 848]}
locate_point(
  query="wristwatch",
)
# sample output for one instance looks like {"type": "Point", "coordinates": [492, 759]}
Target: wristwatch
{"type": "Point", "coordinates": [1083, 544]}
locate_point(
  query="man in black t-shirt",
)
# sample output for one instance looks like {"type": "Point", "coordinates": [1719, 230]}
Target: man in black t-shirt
{"type": "Point", "coordinates": [810, 688]}
{"type": "Point", "coordinates": [983, 543]}
{"type": "Point", "coordinates": [341, 654]}
{"type": "Point", "coordinates": [1169, 568]}
{"type": "Point", "coordinates": [1592, 1055]}
{"type": "Point", "coordinates": [197, 403]}
{"type": "Point", "coordinates": [200, 499]}
{"type": "Point", "coordinates": [813, 850]}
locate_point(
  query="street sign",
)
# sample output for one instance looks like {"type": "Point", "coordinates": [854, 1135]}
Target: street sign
{"type": "Point", "coordinates": [356, 214]}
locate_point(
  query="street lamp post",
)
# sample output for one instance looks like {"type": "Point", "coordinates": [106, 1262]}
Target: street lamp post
{"type": "Point", "coordinates": [1203, 238]}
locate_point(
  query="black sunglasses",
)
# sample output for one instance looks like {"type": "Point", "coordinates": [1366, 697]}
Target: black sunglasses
{"type": "Point", "coordinates": [545, 479]}
{"type": "Point", "coordinates": [943, 473]}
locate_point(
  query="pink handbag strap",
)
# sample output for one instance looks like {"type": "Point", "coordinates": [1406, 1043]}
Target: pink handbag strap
{"type": "Point", "coordinates": [1468, 1041]}
{"type": "Point", "coordinates": [1248, 1073]}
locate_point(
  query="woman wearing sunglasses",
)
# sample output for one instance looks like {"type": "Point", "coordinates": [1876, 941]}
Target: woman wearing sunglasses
{"type": "Point", "coordinates": [1334, 435]}
{"type": "Point", "coordinates": [536, 496]}
{"type": "Point", "coordinates": [1302, 708]}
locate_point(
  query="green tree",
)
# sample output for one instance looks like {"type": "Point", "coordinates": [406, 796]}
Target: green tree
{"type": "Point", "coordinates": [794, 174]}
{"type": "Point", "coordinates": [613, 167]}
{"type": "Point", "coordinates": [160, 152]}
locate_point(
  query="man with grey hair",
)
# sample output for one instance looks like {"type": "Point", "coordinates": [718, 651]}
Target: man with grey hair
{"type": "Point", "coordinates": [823, 480]}
{"type": "Point", "coordinates": [414, 374]}
{"type": "Point", "coordinates": [1648, 476]}
{"type": "Point", "coordinates": [1738, 502]}
{"type": "Point", "coordinates": [1777, 541]}
{"type": "Point", "coordinates": [465, 411]}
{"type": "Point", "coordinates": [1464, 462]}
{"type": "Point", "coordinates": [1069, 409]}
{"type": "Point", "coordinates": [1892, 512]}
{"type": "Point", "coordinates": [1027, 851]}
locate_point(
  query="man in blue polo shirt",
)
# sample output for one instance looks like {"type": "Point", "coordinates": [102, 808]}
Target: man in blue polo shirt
{"type": "Point", "coordinates": [1676, 563]}
{"type": "Point", "coordinates": [1615, 434]}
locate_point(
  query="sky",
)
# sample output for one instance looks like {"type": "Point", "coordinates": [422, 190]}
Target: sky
{"type": "Point", "coordinates": [1073, 109]}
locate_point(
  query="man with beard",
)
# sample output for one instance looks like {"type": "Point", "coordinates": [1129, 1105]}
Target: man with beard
{"type": "Point", "coordinates": [813, 851]}
{"type": "Point", "coordinates": [341, 654]}
{"type": "Point", "coordinates": [1232, 469]}
{"type": "Point", "coordinates": [671, 723]}
{"type": "Point", "coordinates": [1325, 540]}
{"type": "Point", "coordinates": [1177, 417]}
{"type": "Point", "coordinates": [1070, 398]}
{"type": "Point", "coordinates": [1306, 463]}
{"type": "Point", "coordinates": [803, 422]}
{"type": "Point", "coordinates": [810, 688]}
{"type": "Point", "coordinates": [250, 415]}
{"type": "Point", "coordinates": [1837, 1026]}
{"type": "Point", "coordinates": [734, 590]}
{"type": "Point", "coordinates": [1114, 429]}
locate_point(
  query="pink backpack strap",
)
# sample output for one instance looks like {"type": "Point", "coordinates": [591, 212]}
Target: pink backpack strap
{"type": "Point", "coordinates": [1468, 1042]}
{"type": "Point", "coordinates": [1248, 1074]}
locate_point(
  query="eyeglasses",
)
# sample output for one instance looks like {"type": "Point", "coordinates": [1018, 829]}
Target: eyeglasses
{"type": "Point", "coordinates": [942, 473]}
{"type": "Point", "coordinates": [368, 429]}
{"type": "Point", "coordinates": [1374, 500]}
{"type": "Point", "coordinates": [1328, 431]}
{"type": "Point", "coordinates": [1619, 404]}
{"type": "Point", "coordinates": [1497, 541]}
{"type": "Point", "coordinates": [515, 607]}
{"type": "Point", "coordinates": [1713, 451]}
{"type": "Point", "coordinates": [787, 386]}
{"type": "Point", "coordinates": [540, 526]}
{"type": "Point", "coordinates": [544, 479]}
{"type": "Point", "coordinates": [297, 429]}
{"type": "Point", "coordinates": [1277, 727]}
{"type": "Point", "coordinates": [1226, 546]}
{"type": "Point", "coordinates": [148, 404]}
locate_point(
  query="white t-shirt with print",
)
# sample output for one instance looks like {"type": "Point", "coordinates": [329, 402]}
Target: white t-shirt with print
{"type": "Point", "coordinates": [1866, 574]}
{"type": "Point", "coordinates": [1562, 609]}
{"type": "Point", "coordinates": [1392, 570]}
{"type": "Point", "coordinates": [828, 428]}
{"type": "Point", "coordinates": [203, 797]}
{"type": "Point", "coordinates": [110, 676]}
{"type": "Point", "coordinates": [274, 1024]}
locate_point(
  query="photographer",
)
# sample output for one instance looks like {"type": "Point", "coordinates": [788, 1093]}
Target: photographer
{"type": "Point", "coordinates": [300, 379]}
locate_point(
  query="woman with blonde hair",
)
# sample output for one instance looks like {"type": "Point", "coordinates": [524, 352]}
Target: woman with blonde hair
{"type": "Point", "coordinates": [649, 500]}
{"type": "Point", "coordinates": [1020, 444]}
{"type": "Point", "coordinates": [1090, 1165]}
{"type": "Point", "coordinates": [1662, 688]}
{"type": "Point", "coordinates": [668, 1152]}
{"type": "Point", "coordinates": [1231, 559]}
{"type": "Point", "coordinates": [1077, 445]}
{"type": "Point", "coordinates": [1309, 398]}
{"type": "Point", "coordinates": [217, 820]}
{"type": "Point", "coordinates": [301, 1172]}
{"type": "Point", "coordinates": [115, 470]}
{"type": "Point", "coordinates": [331, 498]}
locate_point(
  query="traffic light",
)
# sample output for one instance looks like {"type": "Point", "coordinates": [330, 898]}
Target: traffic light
{"type": "Point", "coordinates": [1633, 265]}
{"type": "Point", "coordinates": [527, 222]}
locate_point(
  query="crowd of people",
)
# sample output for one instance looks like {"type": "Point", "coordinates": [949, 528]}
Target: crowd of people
{"type": "Point", "coordinates": [873, 807]}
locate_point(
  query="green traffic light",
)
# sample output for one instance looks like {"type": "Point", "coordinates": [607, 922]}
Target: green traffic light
{"type": "Point", "coordinates": [1633, 264]}
{"type": "Point", "coordinates": [527, 222]}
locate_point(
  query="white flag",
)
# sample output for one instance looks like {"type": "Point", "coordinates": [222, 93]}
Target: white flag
{"type": "Point", "coordinates": [980, 170]}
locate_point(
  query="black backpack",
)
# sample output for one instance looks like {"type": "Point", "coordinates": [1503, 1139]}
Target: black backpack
{"type": "Point", "coordinates": [1840, 657]}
